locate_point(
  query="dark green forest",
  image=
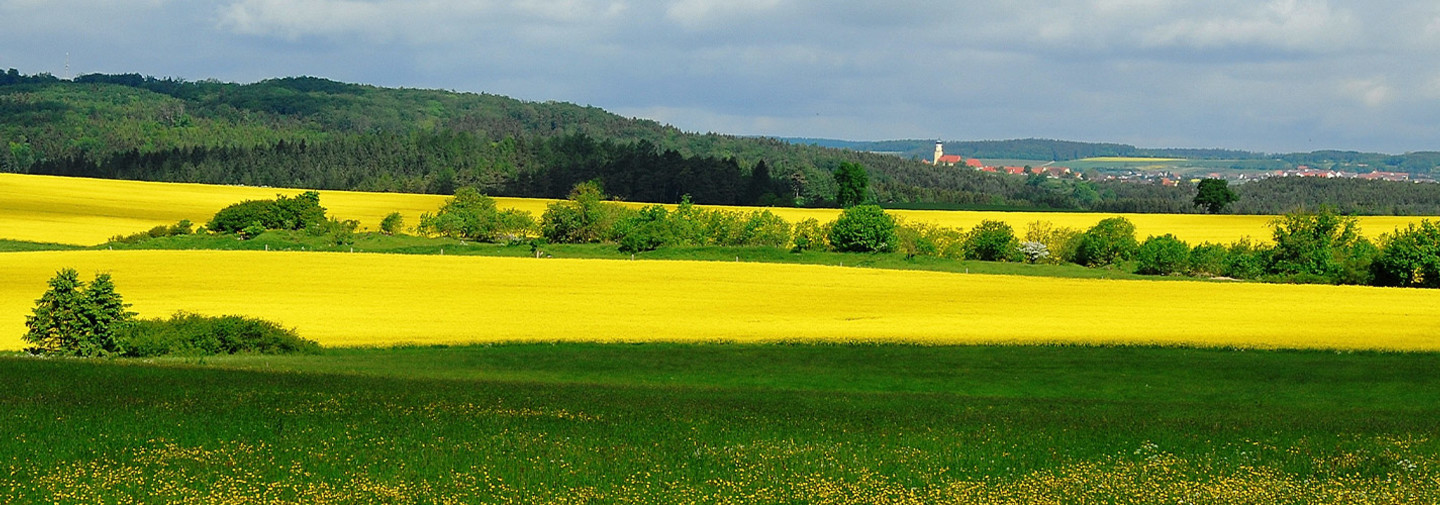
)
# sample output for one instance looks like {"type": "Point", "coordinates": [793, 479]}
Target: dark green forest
{"type": "Point", "coordinates": [314, 133]}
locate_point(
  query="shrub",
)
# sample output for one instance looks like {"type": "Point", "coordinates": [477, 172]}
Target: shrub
{"type": "Point", "coordinates": [1208, 260]}
{"type": "Point", "coordinates": [252, 231]}
{"type": "Point", "coordinates": [647, 230]}
{"type": "Point", "coordinates": [763, 228]}
{"type": "Point", "coordinates": [584, 218]}
{"type": "Point", "coordinates": [192, 334]}
{"type": "Point", "coordinates": [1321, 246]}
{"type": "Point", "coordinates": [392, 224]}
{"type": "Point", "coordinates": [992, 241]}
{"type": "Point", "coordinates": [1110, 241]}
{"type": "Point", "coordinates": [1162, 255]}
{"type": "Point", "coordinates": [863, 228]}
{"type": "Point", "coordinates": [810, 235]}
{"type": "Point", "coordinates": [282, 213]}
{"type": "Point", "coordinates": [1034, 252]}
{"type": "Point", "coordinates": [1245, 260]}
{"type": "Point", "coordinates": [1409, 257]}
{"type": "Point", "coordinates": [340, 232]}
{"type": "Point", "coordinates": [183, 227]}
{"type": "Point", "coordinates": [912, 241]}
{"type": "Point", "coordinates": [1061, 243]}
{"type": "Point", "coordinates": [472, 215]}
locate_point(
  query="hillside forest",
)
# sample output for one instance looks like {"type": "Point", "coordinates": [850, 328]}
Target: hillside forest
{"type": "Point", "coordinates": [320, 134]}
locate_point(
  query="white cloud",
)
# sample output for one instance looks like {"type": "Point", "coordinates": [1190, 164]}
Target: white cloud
{"type": "Point", "coordinates": [414, 21]}
{"type": "Point", "coordinates": [1286, 24]}
{"type": "Point", "coordinates": [1373, 92]}
{"type": "Point", "coordinates": [292, 19]}
{"type": "Point", "coordinates": [697, 14]}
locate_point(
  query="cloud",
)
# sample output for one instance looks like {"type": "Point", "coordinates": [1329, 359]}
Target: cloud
{"type": "Point", "coordinates": [1306, 25]}
{"type": "Point", "coordinates": [1373, 92]}
{"type": "Point", "coordinates": [412, 21]}
{"type": "Point", "coordinates": [703, 14]}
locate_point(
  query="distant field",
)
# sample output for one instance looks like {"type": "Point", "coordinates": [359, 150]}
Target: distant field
{"type": "Point", "coordinates": [1126, 159]}
{"type": "Point", "coordinates": [377, 299]}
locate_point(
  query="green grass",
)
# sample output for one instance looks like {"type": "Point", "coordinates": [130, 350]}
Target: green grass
{"type": "Point", "coordinates": [723, 423]}
{"type": "Point", "coordinates": [8, 245]}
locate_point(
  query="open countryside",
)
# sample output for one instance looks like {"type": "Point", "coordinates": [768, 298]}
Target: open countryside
{"type": "Point", "coordinates": [249, 341]}
{"type": "Point", "coordinates": [89, 211]}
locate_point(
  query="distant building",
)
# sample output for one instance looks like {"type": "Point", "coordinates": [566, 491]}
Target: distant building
{"type": "Point", "coordinates": [950, 160]}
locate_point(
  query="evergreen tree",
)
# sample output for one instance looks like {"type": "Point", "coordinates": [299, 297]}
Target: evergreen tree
{"type": "Point", "coordinates": [58, 321]}
{"type": "Point", "coordinates": [104, 312]}
{"type": "Point", "coordinates": [71, 319]}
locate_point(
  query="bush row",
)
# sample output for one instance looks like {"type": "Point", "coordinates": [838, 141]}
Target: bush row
{"type": "Point", "coordinates": [1308, 246]}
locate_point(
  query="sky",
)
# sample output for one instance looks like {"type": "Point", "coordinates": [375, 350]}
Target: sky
{"type": "Point", "coordinates": [1261, 75]}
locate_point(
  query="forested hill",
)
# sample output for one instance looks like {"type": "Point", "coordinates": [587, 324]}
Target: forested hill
{"type": "Point", "coordinates": [308, 132]}
{"type": "Point", "coordinates": [316, 133]}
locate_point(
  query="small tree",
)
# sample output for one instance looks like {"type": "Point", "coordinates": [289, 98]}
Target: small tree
{"type": "Point", "coordinates": [472, 215]}
{"type": "Point", "coordinates": [58, 321]}
{"type": "Point", "coordinates": [1410, 257]}
{"type": "Point", "coordinates": [1214, 195]}
{"type": "Point", "coordinates": [992, 241]}
{"type": "Point", "coordinates": [283, 213]}
{"type": "Point", "coordinates": [104, 315]}
{"type": "Point", "coordinates": [853, 185]}
{"type": "Point", "coordinates": [584, 218]}
{"type": "Point", "coordinates": [392, 224]}
{"type": "Point", "coordinates": [647, 230]}
{"type": "Point", "coordinates": [69, 319]}
{"type": "Point", "coordinates": [1108, 242]}
{"type": "Point", "coordinates": [810, 235]}
{"type": "Point", "coordinates": [1162, 255]}
{"type": "Point", "coordinates": [1315, 246]}
{"type": "Point", "coordinates": [1207, 260]}
{"type": "Point", "coordinates": [1034, 252]}
{"type": "Point", "coordinates": [863, 228]}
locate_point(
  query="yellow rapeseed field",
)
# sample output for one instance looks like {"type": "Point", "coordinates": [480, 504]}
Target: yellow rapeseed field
{"type": "Point", "coordinates": [374, 299]}
{"type": "Point", "coordinates": [72, 210]}
{"type": "Point", "coordinates": [89, 211]}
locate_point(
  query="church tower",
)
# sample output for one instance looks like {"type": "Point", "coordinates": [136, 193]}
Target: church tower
{"type": "Point", "coordinates": [939, 151]}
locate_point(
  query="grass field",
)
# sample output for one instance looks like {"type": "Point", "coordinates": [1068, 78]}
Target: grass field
{"type": "Point", "coordinates": [589, 423]}
{"type": "Point", "coordinates": [90, 211]}
{"type": "Point", "coordinates": [381, 299]}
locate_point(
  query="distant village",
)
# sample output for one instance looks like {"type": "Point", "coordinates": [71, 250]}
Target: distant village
{"type": "Point", "coordinates": [1164, 177]}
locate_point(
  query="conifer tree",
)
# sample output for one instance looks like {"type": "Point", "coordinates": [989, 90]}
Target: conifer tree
{"type": "Point", "coordinates": [75, 320]}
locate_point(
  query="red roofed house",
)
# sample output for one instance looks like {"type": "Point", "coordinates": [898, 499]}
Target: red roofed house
{"type": "Point", "coordinates": [951, 160]}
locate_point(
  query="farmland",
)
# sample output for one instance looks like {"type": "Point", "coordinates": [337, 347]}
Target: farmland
{"type": "Point", "coordinates": [454, 378]}
{"type": "Point", "coordinates": [378, 299]}
{"type": "Point", "coordinates": [89, 211]}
